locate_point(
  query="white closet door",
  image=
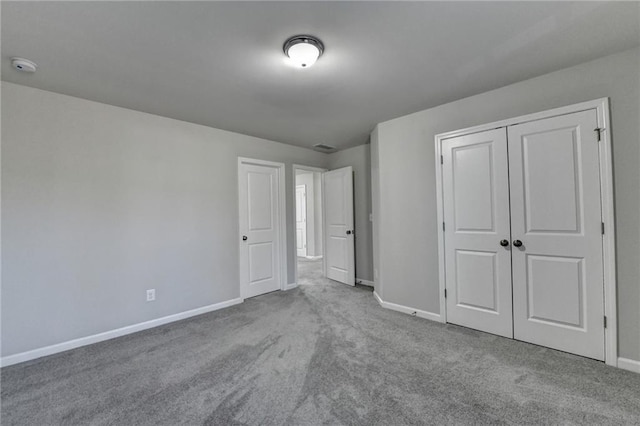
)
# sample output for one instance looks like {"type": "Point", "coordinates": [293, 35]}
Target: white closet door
{"type": "Point", "coordinates": [259, 226]}
{"type": "Point", "coordinates": [339, 229]}
{"type": "Point", "coordinates": [476, 211]}
{"type": "Point", "coordinates": [555, 213]}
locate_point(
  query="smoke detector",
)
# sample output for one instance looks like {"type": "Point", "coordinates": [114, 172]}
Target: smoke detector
{"type": "Point", "coordinates": [24, 65]}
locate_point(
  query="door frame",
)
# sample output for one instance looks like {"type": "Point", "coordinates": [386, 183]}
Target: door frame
{"type": "Point", "coordinates": [306, 230]}
{"type": "Point", "coordinates": [281, 219]}
{"type": "Point", "coordinates": [606, 203]}
{"type": "Point", "coordinates": [307, 169]}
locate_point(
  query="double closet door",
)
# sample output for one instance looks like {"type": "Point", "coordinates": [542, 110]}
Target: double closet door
{"type": "Point", "coordinates": [523, 237]}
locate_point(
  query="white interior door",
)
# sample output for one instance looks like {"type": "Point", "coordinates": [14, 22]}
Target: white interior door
{"type": "Point", "coordinates": [259, 229]}
{"type": "Point", "coordinates": [556, 215]}
{"type": "Point", "coordinates": [301, 220]}
{"type": "Point", "coordinates": [476, 214]}
{"type": "Point", "coordinates": [339, 229]}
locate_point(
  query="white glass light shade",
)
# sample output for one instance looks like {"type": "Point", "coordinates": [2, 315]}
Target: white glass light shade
{"type": "Point", "coordinates": [303, 50]}
{"type": "Point", "coordinates": [303, 54]}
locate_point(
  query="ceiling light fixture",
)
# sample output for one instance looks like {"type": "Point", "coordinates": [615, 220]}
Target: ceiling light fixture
{"type": "Point", "coordinates": [303, 50]}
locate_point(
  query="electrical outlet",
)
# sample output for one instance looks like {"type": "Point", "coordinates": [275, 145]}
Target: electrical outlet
{"type": "Point", "coordinates": [151, 295]}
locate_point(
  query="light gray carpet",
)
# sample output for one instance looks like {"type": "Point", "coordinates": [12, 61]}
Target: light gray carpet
{"type": "Point", "coordinates": [319, 354]}
{"type": "Point", "coordinates": [310, 271]}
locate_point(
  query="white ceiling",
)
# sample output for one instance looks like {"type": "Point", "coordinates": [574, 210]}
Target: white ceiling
{"type": "Point", "coordinates": [221, 64]}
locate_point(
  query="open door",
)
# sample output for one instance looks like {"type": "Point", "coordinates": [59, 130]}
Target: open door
{"type": "Point", "coordinates": [339, 231]}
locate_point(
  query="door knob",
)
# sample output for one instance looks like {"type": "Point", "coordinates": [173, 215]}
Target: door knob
{"type": "Point", "coordinates": [517, 243]}
{"type": "Point", "coordinates": [504, 243]}
{"type": "Point", "coordinates": [244, 238]}
{"type": "Point", "coordinates": [348, 232]}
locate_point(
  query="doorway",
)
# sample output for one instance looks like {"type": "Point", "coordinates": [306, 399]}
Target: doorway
{"type": "Point", "coordinates": [262, 226]}
{"type": "Point", "coordinates": [326, 249]}
{"type": "Point", "coordinates": [309, 224]}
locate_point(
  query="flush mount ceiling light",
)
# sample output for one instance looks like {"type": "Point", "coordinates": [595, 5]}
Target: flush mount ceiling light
{"type": "Point", "coordinates": [303, 50]}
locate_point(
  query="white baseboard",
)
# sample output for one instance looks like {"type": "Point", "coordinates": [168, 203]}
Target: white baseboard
{"type": "Point", "coordinates": [407, 310]}
{"type": "Point", "coordinates": [313, 257]}
{"type": "Point", "coordinates": [364, 282]}
{"type": "Point", "coordinates": [111, 334]}
{"type": "Point", "coordinates": [623, 363]}
{"type": "Point", "coordinates": [629, 364]}
{"type": "Point", "coordinates": [290, 286]}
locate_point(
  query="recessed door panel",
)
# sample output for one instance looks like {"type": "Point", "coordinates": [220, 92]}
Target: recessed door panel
{"type": "Point", "coordinates": [260, 262]}
{"type": "Point", "coordinates": [552, 181]}
{"type": "Point", "coordinates": [555, 292]}
{"type": "Point", "coordinates": [556, 214]}
{"type": "Point", "coordinates": [337, 256]}
{"type": "Point", "coordinates": [476, 280]}
{"type": "Point", "coordinates": [476, 211]}
{"type": "Point", "coordinates": [335, 187]}
{"type": "Point", "coordinates": [473, 187]}
{"type": "Point", "coordinates": [260, 199]}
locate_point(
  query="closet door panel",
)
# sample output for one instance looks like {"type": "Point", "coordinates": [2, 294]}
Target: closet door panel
{"type": "Point", "coordinates": [555, 213]}
{"type": "Point", "coordinates": [476, 209]}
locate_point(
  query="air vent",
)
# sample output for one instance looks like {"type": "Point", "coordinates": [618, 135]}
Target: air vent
{"type": "Point", "coordinates": [324, 148]}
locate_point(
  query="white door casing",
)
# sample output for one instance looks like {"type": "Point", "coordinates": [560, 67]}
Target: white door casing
{"type": "Point", "coordinates": [260, 228]}
{"type": "Point", "coordinates": [476, 213]}
{"type": "Point", "coordinates": [301, 220]}
{"type": "Point", "coordinates": [338, 227]}
{"type": "Point", "coordinates": [556, 214]}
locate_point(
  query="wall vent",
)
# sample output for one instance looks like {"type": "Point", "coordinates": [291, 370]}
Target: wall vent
{"type": "Point", "coordinates": [324, 148]}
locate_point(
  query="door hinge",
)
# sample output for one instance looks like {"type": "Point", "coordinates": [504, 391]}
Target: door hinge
{"type": "Point", "coordinates": [602, 227]}
{"type": "Point", "coordinates": [445, 293]}
{"type": "Point", "coordinates": [441, 159]}
{"type": "Point", "coordinates": [443, 226]}
{"type": "Point", "coordinates": [598, 131]}
{"type": "Point", "coordinates": [605, 321]}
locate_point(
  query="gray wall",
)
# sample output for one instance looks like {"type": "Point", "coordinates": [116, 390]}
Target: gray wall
{"type": "Point", "coordinates": [101, 203]}
{"type": "Point", "coordinates": [408, 260]}
{"type": "Point", "coordinates": [359, 158]}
